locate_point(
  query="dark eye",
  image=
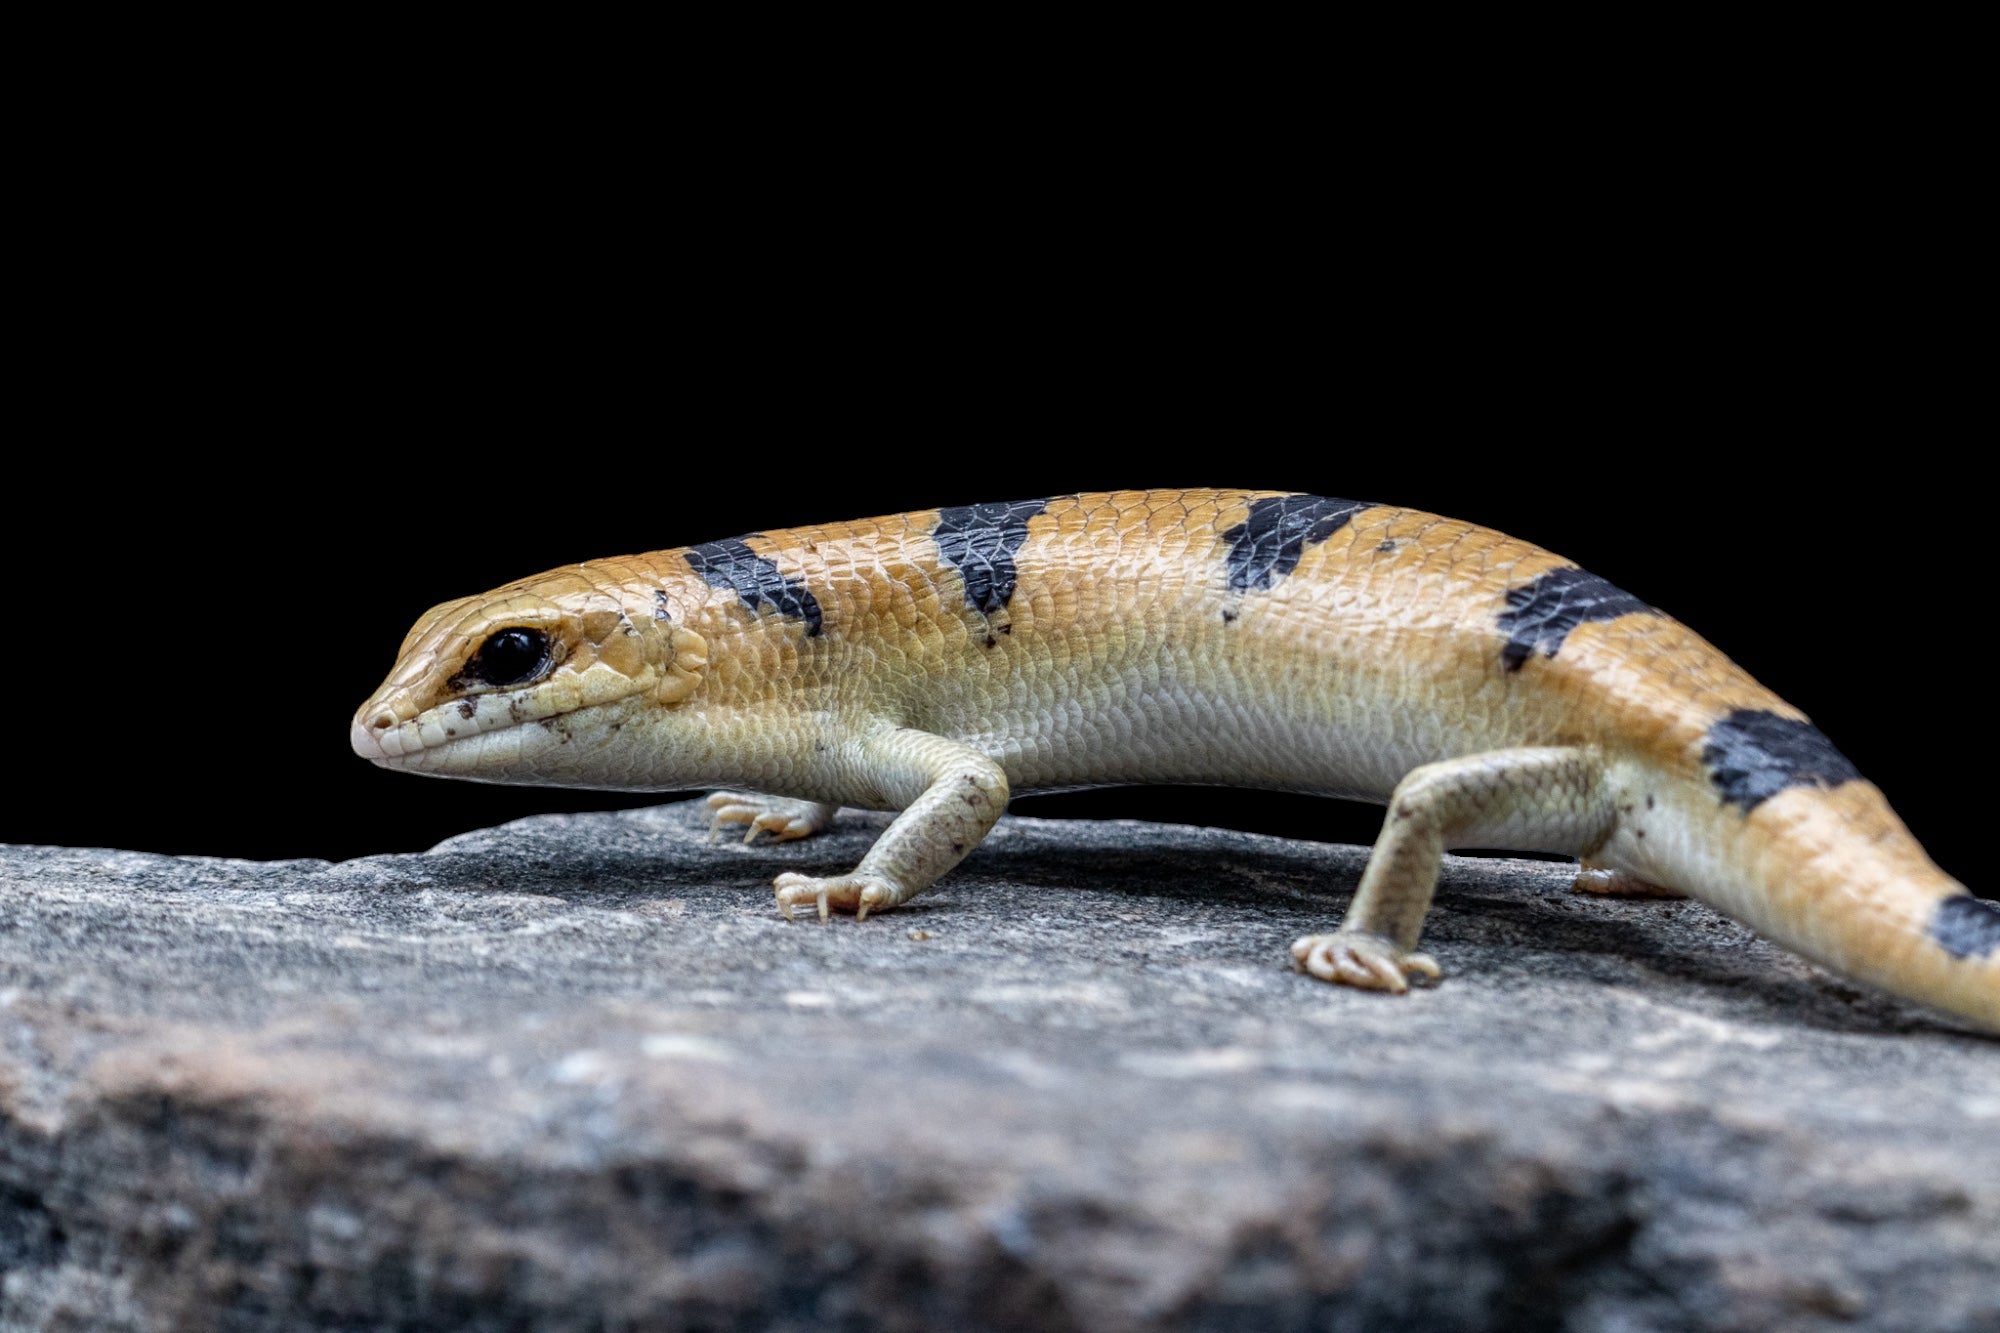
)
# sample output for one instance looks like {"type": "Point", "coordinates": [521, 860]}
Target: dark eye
{"type": "Point", "coordinates": [508, 657]}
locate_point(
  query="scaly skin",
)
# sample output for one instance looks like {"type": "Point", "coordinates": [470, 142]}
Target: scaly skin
{"type": "Point", "coordinates": [934, 663]}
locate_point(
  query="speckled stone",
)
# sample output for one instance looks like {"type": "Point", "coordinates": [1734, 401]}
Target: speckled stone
{"type": "Point", "coordinates": [576, 1073]}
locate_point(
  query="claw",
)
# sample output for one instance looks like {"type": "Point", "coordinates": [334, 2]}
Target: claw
{"type": "Point", "coordinates": [779, 826]}
{"type": "Point", "coordinates": [1385, 975]}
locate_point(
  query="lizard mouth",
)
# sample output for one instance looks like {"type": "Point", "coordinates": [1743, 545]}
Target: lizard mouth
{"type": "Point", "coordinates": [381, 737]}
{"type": "Point", "coordinates": [392, 743]}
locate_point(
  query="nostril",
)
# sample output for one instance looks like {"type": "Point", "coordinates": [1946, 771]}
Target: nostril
{"type": "Point", "coordinates": [383, 721]}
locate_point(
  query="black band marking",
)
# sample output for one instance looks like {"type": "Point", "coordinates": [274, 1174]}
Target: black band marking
{"type": "Point", "coordinates": [1541, 613]}
{"type": "Point", "coordinates": [1752, 755]}
{"type": "Point", "coordinates": [754, 578]}
{"type": "Point", "coordinates": [979, 541]}
{"type": "Point", "coordinates": [1966, 927]}
{"type": "Point", "coordinates": [1266, 546]}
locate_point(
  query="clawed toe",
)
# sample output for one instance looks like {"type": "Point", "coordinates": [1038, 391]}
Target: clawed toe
{"type": "Point", "coordinates": [1367, 962]}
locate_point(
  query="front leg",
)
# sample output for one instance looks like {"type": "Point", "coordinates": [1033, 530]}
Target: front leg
{"type": "Point", "coordinates": [950, 796]}
{"type": "Point", "coordinates": [1529, 800]}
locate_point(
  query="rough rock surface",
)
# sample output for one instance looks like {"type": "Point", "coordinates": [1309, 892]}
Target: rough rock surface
{"type": "Point", "coordinates": [575, 1073]}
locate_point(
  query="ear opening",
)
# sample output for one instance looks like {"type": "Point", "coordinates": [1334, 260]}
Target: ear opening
{"type": "Point", "coordinates": [683, 671]}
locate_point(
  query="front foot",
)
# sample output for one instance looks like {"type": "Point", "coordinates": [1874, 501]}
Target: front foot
{"type": "Point", "coordinates": [859, 894]}
{"type": "Point", "coordinates": [782, 817]}
{"type": "Point", "coordinates": [1355, 958]}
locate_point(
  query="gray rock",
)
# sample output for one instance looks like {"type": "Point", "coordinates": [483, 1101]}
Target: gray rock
{"type": "Point", "coordinates": [576, 1073]}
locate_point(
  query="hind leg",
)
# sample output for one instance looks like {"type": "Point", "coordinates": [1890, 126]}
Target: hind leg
{"type": "Point", "coordinates": [1540, 800]}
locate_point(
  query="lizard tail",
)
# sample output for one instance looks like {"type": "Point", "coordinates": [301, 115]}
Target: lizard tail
{"type": "Point", "coordinates": [1831, 872]}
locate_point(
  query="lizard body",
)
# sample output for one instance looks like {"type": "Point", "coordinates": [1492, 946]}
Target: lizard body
{"type": "Point", "coordinates": [1489, 692]}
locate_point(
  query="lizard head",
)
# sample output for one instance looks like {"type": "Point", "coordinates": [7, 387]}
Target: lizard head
{"type": "Point", "coordinates": [529, 682]}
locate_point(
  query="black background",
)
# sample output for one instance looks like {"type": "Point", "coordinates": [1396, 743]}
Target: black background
{"type": "Point", "coordinates": [272, 414]}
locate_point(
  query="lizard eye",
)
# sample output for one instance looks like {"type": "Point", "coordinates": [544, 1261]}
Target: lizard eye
{"type": "Point", "coordinates": [509, 657]}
